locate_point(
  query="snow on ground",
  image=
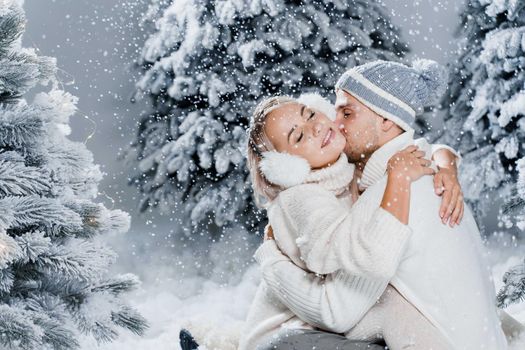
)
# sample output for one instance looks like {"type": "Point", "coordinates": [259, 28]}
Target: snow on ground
{"type": "Point", "coordinates": [217, 305]}
{"type": "Point", "coordinates": [210, 305]}
{"type": "Point", "coordinates": [207, 287]}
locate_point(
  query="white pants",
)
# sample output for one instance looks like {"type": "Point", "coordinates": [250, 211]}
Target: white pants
{"type": "Point", "coordinates": [400, 324]}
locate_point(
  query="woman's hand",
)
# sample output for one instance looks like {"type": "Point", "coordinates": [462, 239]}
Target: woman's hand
{"type": "Point", "coordinates": [268, 232]}
{"type": "Point", "coordinates": [447, 185]}
{"type": "Point", "coordinates": [403, 168]}
{"type": "Point", "coordinates": [409, 165]}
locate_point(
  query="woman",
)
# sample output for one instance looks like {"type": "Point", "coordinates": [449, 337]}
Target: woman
{"type": "Point", "coordinates": [370, 264]}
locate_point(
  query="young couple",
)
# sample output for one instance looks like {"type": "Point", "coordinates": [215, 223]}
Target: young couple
{"type": "Point", "coordinates": [360, 249]}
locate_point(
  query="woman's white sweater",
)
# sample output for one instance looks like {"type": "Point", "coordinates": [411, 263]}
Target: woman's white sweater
{"type": "Point", "coordinates": [369, 249]}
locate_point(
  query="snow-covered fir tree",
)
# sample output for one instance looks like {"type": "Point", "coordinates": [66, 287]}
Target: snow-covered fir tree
{"type": "Point", "coordinates": [485, 115]}
{"type": "Point", "coordinates": [484, 107]}
{"type": "Point", "coordinates": [54, 282]}
{"type": "Point", "coordinates": [205, 66]}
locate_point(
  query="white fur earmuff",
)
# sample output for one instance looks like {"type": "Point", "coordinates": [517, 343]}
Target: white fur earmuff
{"type": "Point", "coordinates": [316, 101]}
{"type": "Point", "coordinates": [284, 169]}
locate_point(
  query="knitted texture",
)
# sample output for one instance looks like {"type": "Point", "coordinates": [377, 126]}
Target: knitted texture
{"type": "Point", "coordinates": [322, 205]}
{"type": "Point", "coordinates": [394, 90]}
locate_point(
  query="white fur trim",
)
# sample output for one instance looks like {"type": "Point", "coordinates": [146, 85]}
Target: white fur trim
{"type": "Point", "coordinates": [283, 169]}
{"type": "Point", "coordinates": [316, 101]}
{"type": "Point", "coordinates": [382, 92]}
{"type": "Point", "coordinates": [213, 335]}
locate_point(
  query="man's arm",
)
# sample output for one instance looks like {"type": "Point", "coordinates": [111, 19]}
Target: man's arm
{"type": "Point", "coordinates": [446, 184]}
{"type": "Point", "coordinates": [334, 302]}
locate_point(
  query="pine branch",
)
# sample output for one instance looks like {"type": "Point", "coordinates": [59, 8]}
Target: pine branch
{"type": "Point", "coordinates": [16, 179]}
{"type": "Point", "coordinates": [49, 313]}
{"type": "Point", "coordinates": [77, 259]}
{"type": "Point", "coordinates": [9, 250]}
{"type": "Point", "coordinates": [41, 212]}
{"type": "Point", "coordinates": [128, 318]}
{"type": "Point", "coordinates": [17, 330]}
{"type": "Point", "coordinates": [21, 126]}
{"type": "Point", "coordinates": [19, 72]}
{"type": "Point", "coordinates": [514, 289]}
{"type": "Point", "coordinates": [33, 244]}
{"type": "Point", "coordinates": [7, 280]}
{"type": "Point", "coordinates": [98, 220]}
{"type": "Point", "coordinates": [12, 25]}
{"type": "Point", "coordinates": [515, 204]}
{"type": "Point", "coordinates": [118, 284]}
{"type": "Point", "coordinates": [94, 317]}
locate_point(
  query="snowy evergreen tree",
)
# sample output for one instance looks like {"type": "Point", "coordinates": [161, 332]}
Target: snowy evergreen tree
{"type": "Point", "coordinates": [54, 285]}
{"type": "Point", "coordinates": [513, 290]}
{"type": "Point", "coordinates": [484, 108]}
{"type": "Point", "coordinates": [485, 116]}
{"type": "Point", "coordinates": [205, 67]}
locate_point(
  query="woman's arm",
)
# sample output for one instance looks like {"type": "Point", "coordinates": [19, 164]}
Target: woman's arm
{"type": "Point", "coordinates": [334, 302]}
{"type": "Point", "coordinates": [367, 242]}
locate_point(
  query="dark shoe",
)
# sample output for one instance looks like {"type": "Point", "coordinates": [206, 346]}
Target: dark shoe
{"type": "Point", "coordinates": [186, 340]}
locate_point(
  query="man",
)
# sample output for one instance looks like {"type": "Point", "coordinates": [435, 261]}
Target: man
{"type": "Point", "coordinates": [376, 105]}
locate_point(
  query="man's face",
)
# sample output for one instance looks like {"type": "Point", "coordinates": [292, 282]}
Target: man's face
{"type": "Point", "coordinates": [359, 124]}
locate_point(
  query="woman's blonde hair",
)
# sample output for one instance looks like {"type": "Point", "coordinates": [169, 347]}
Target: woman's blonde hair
{"type": "Point", "coordinates": [258, 143]}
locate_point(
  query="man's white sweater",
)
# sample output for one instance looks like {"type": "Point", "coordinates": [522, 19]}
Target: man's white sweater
{"type": "Point", "coordinates": [444, 272]}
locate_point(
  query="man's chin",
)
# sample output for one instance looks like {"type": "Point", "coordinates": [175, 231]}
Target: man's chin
{"type": "Point", "coordinates": [352, 158]}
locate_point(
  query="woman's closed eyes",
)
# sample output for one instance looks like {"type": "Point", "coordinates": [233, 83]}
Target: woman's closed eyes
{"type": "Point", "coordinates": [312, 114]}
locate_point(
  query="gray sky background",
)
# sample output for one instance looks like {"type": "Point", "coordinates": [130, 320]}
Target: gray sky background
{"type": "Point", "coordinates": [95, 43]}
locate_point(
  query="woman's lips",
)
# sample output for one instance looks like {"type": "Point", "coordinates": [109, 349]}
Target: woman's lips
{"type": "Point", "coordinates": [328, 138]}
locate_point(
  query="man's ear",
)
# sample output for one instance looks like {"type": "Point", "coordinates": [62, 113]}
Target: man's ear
{"type": "Point", "coordinates": [386, 125]}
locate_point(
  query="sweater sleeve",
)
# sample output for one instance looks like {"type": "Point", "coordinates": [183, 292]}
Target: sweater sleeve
{"type": "Point", "coordinates": [334, 302]}
{"type": "Point", "coordinates": [330, 236]}
{"type": "Point", "coordinates": [436, 147]}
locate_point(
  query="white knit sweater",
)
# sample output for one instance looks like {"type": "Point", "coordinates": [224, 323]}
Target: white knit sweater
{"type": "Point", "coordinates": [443, 272]}
{"type": "Point", "coordinates": [370, 249]}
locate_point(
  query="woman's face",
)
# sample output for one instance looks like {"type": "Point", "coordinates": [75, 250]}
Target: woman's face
{"type": "Point", "coordinates": [299, 130]}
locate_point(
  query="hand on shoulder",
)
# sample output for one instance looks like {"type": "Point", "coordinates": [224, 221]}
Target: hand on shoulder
{"type": "Point", "coordinates": [408, 165]}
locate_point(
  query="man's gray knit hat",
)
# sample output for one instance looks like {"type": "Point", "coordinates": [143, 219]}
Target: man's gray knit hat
{"type": "Point", "coordinates": [394, 90]}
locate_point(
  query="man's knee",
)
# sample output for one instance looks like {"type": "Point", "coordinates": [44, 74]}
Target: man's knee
{"type": "Point", "coordinates": [312, 339]}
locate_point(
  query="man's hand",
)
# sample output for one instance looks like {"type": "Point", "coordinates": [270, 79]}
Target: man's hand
{"type": "Point", "coordinates": [268, 232]}
{"type": "Point", "coordinates": [446, 184]}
